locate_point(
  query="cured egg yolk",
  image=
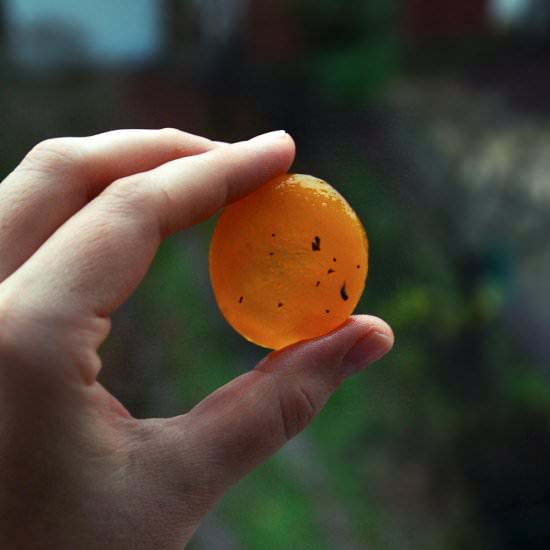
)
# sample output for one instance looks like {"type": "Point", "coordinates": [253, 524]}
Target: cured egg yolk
{"type": "Point", "coordinates": [288, 262]}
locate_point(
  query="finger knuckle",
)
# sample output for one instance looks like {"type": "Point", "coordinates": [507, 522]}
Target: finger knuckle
{"type": "Point", "coordinates": [132, 197]}
{"type": "Point", "coordinates": [54, 155]}
{"type": "Point", "coordinates": [170, 133]}
{"type": "Point", "coordinates": [298, 408]}
{"type": "Point", "coordinates": [129, 192]}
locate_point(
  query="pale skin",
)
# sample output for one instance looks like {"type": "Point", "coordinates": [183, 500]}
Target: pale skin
{"type": "Point", "coordinates": [80, 222]}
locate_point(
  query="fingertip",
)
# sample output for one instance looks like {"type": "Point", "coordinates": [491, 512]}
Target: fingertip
{"type": "Point", "coordinates": [371, 323]}
{"type": "Point", "coordinates": [249, 164]}
{"type": "Point", "coordinates": [332, 354]}
{"type": "Point", "coordinates": [375, 338]}
{"type": "Point", "coordinates": [279, 143]}
{"type": "Point", "coordinates": [367, 350]}
{"type": "Point", "coordinates": [269, 136]}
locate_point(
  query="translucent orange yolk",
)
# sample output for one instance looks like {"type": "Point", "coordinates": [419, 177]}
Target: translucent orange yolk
{"type": "Point", "coordinates": [288, 262]}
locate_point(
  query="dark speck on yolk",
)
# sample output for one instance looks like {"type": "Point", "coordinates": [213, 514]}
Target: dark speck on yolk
{"type": "Point", "coordinates": [316, 244]}
{"type": "Point", "coordinates": [343, 292]}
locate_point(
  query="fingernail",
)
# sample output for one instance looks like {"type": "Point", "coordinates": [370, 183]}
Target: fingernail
{"type": "Point", "coordinates": [269, 136]}
{"type": "Point", "coordinates": [365, 351]}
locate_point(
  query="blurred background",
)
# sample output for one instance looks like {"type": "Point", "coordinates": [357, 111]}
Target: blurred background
{"type": "Point", "coordinates": [433, 118]}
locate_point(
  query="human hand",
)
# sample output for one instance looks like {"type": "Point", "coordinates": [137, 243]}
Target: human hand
{"type": "Point", "coordinates": [80, 221]}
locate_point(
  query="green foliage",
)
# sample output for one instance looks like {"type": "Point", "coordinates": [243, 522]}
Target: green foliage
{"type": "Point", "coordinates": [271, 510]}
{"type": "Point", "coordinates": [353, 74]}
{"type": "Point", "coordinates": [355, 47]}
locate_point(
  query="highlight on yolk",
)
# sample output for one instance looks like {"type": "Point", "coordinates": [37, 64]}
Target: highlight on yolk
{"type": "Point", "coordinates": [288, 262]}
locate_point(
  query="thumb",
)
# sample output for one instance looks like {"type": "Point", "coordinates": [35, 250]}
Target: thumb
{"type": "Point", "coordinates": [247, 420]}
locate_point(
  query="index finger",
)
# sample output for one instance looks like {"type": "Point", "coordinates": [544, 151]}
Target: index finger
{"type": "Point", "coordinates": [97, 258]}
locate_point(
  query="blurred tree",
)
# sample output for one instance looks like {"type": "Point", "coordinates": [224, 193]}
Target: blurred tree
{"type": "Point", "coordinates": [354, 46]}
